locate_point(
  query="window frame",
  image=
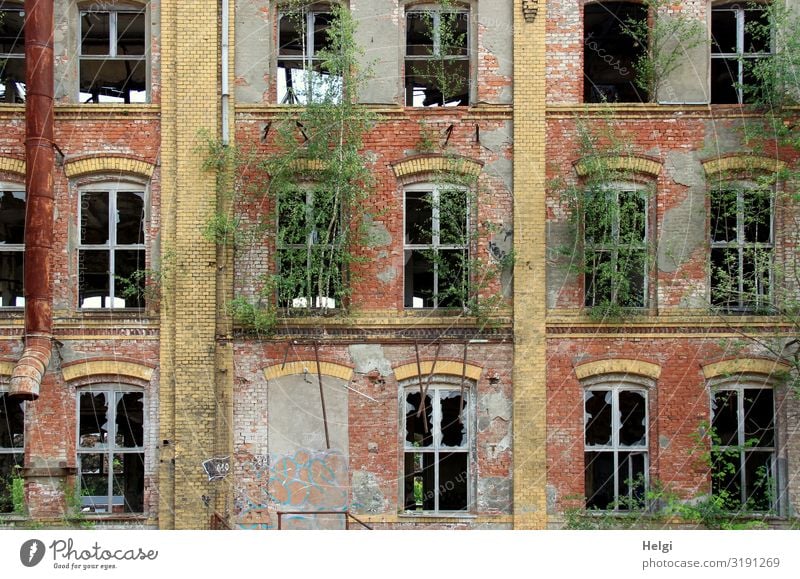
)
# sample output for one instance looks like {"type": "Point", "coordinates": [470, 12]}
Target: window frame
{"type": "Point", "coordinates": [612, 246]}
{"type": "Point", "coordinates": [17, 453]}
{"type": "Point", "coordinates": [739, 387]}
{"type": "Point", "coordinates": [110, 449]}
{"type": "Point", "coordinates": [309, 57]}
{"type": "Point", "coordinates": [111, 247]}
{"type": "Point", "coordinates": [113, 11]}
{"type": "Point", "coordinates": [16, 97]}
{"type": "Point", "coordinates": [741, 246]}
{"type": "Point", "coordinates": [435, 246]}
{"type": "Point", "coordinates": [615, 387]}
{"type": "Point", "coordinates": [741, 55]}
{"type": "Point", "coordinates": [435, 9]}
{"type": "Point", "coordinates": [437, 384]}
{"type": "Point", "coordinates": [15, 248]}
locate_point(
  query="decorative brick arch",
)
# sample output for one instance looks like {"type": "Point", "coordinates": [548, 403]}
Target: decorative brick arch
{"type": "Point", "coordinates": [744, 365]}
{"type": "Point", "coordinates": [308, 366]}
{"type": "Point", "coordinates": [624, 163]}
{"type": "Point", "coordinates": [421, 164]}
{"type": "Point", "coordinates": [737, 163]}
{"type": "Point", "coordinates": [618, 366]}
{"type": "Point", "coordinates": [447, 367]}
{"type": "Point", "coordinates": [108, 367]}
{"type": "Point", "coordinates": [12, 165]}
{"type": "Point", "coordinates": [108, 164]}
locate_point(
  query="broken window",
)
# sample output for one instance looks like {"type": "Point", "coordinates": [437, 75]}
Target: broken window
{"type": "Point", "coordinates": [616, 451]}
{"type": "Point", "coordinates": [437, 57]}
{"type": "Point", "coordinates": [111, 254]}
{"type": "Point", "coordinates": [302, 76]}
{"type": "Point", "coordinates": [436, 247]}
{"type": "Point", "coordinates": [12, 53]}
{"type": "Point", "coordinates": [310, 259]}
{"type": "Point", "coordinates": [615, 247]}
{"type": "Point", "coordinates": [111, 449]}
{"type": "Point", "coordinates": [12, 248]}
{"type": "Point", "coordinates": [436, 450]}
{"type": "Point", "coordinates": [743, 448]}
{"type": "Point", "coordinates": [12, 442]}
{"type": "Point", "coordinates": [740, 37]}
{"type": "Point", "coordinates": [741, 248]}
{"type": "Point", "coordinates": [113, 56]}
{"type": "Point", "coordinates": [611, 52]}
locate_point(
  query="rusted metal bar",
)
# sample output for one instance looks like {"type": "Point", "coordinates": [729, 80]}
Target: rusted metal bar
{"type": "Point", "coordinates": [29, 370]}
{"type": "Point", "coordinates": [421, 390]}
{"type": "Point", "coordinates": [347, 515]}
{"type": "Point", "coordinates": [322, 397]}
{"type": "Point", "coordinates": [463, 373]}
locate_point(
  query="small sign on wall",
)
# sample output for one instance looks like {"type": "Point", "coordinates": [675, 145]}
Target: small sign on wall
{"type": "Point", "coordinates": [217, 468]}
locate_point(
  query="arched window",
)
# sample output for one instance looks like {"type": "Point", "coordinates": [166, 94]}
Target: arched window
{"type": "Point", "coordinates": [743, 439]}
{"type": "Point", "coordinates": [616, 441]}
{"type": "Point", "coordinates": [611, 51]}
{"type": "Point", "coordinates": [111, 448]}
{"type": "Point", "coordinates": [111, 250]}
{"type": "Point", "coordinates": [615, 233]}
{"type": "Point", "coordinates": [437, 445]}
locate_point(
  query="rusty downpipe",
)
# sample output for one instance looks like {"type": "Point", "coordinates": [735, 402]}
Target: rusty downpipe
{"type": "Point", "coordinates": [40, 161]}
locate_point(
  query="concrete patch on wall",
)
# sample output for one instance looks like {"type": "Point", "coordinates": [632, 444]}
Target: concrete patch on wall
{"type": "Point", "coordinates": [498, 142]}
{"type": "Point", "coordinates": [377, 234]}
{"type": "Point", "coordinates": [367, 358]}
{"type": "Point", "coordinates": [683, 228]}
{"type": "Point", "coordinates": [494, 494]}
{"type": "Point", "coordinates": [253, 50]}
{"type": "Point", "coordinates": [367, 495]}
{"type": "Point", "coordinates": [378, 35]}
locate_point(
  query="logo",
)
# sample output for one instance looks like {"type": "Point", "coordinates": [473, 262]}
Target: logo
{"type": "Point", "coordinates": [31, 553]}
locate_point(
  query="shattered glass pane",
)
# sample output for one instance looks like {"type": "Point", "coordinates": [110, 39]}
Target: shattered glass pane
{"type": "Point", "coordinates": [94, 483]}
{"type": "Point", "coordinates": [419, 218]}
{"type": "Point", "coordinates": [419, 280]}
{"type": "Point", "coordinates": [416, 435]}
{"type": "Point", "coordinates": [437, 82]}
{"type": "Point", "coordinates": [724, 78]}
{"type": "Point", "coordinates": [130, 34]}
{"type": "Point", "coordinates": [723, 32]}
{"type": "Point", "coordinates": [419, 486]}
{"type": "Point", "coordinates": [725, 277]}
{"type": "Point", "coordinates": [759, 417]}
{"type": "Point", "coordinates": [110, 80]}
{"type": "Point", "coordinates": [454, 431]}
{"type": "Point", "coordinates": [726, 478]}
{"type": "Point", "coordinates": [453, 482]}
{"type": "Point", "coordinates": [128, 285]}
{"type": "Point", "coordinates": [128, 483]}
{"type": "Point", "coordinates": [130, 218]}
{"type": "Point", "coordinates": [419, 33]}
{"type": "Point", "coordinates": [597, 417]}
{"type": "Point", "coordinates": [93, 279]}
{"type": "Point", "coordinates": [759, 480]}
{"type": "Point", "coordinates": [11, 279]}
{"type": "Point", "coordinates": [632, 418]}
{"type": "Point", "coordinates": [95, 33]}
{"type": "Point", "coordinates": [8, 473]}
{"type": "Point", "coordinates": [632, 480]}
{"type": "Point", "coordinates": [92, 419]}
{"type": "Point", "coordinates": [94, 218]}
{"type": "Point", "coordinates": [756, 22]}
{"type": "Point", "coordinates": [12, 79]}
{"type": "Point", "coordinates": [757, 215]}
{"type": "Point", "coordinates": [725, 421]}
{"type": "Point", "coordinates": [130, 420]}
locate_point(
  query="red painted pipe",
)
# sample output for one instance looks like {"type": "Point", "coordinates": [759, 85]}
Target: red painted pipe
{"type": "Point", "coordinates": [40, 161]}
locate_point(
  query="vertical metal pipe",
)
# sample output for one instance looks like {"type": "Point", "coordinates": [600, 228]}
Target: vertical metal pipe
{"type": "Point", "coordinates": [225, 55]}
{"type": "Point", "coordinates": [40, 160]}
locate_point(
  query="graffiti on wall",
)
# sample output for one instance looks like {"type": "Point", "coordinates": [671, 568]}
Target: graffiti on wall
{"type": "Point", "coordinates": [304, 481]}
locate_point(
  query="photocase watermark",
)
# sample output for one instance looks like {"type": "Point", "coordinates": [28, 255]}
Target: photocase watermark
{"type": "Point", "coordinates": [609, 59]}
{"type": "Point", "coordinates": [66, 555]}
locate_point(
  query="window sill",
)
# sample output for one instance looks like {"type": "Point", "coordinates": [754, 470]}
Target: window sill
{"type": "Point", "coordinates": [431, 517]}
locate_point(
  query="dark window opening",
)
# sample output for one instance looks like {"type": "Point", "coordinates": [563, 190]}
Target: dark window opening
{"type": "Point", "coordinates": [740, 38]}
{"type": "Point", "coordinates": [302, 76]}
{"type": "Point", "coordinates": [12, 248]}
{"type": "Point", "coordinates": [741, 249]}
{"type": "Point", "coordinates": [611, 52]}
{"type": "Point", "coordinates": [111, 255]}
{"type": "Point", "coordinates": [743, 449]}
{"type": "Point", "coordinates": [437, 58]}
{"type": "Point", "coordinates": [615, 457]}
{"type": "Point", "coordinates": [436, 248]}
{"type": "Point", "coordinates": [615, 248]}
{"type": "Point", "coordinates": [436, 463]}
{"type": "Point", "coordinates": [12, 443]}
{"type": "Point", "coordinates": [111, 451]}
{"type": "Point", "coordinates": [113, 60]}
{"type": "Point", "coordinates": [12, 53]}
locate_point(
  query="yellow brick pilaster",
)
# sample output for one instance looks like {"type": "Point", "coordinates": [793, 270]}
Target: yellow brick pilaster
{"type": "Point", "coordinates": [530, 389]}
{"type": "Point", "coordinates": [190, 61]}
